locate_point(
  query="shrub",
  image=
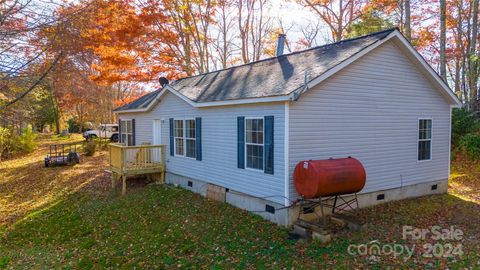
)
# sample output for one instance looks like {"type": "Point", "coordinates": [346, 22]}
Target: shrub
{"type": "Point", "coordinates": [103, 143]}
{"type": "Point", "coordinates": [73, 125]}
{"type": "Point", "coordinates": [25, 143]}
{"type": "Point", "coordinates": [470, 146]}
{"type": "Point", "coordinates": [90, 148]}
{"type": "Point", "coordinates": [463, 122]}
{"type": "Point", "coordinates": [5, 141]}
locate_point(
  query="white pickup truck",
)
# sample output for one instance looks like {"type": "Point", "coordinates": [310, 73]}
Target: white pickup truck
{"type": "Point", "coordinates": [104, 131]}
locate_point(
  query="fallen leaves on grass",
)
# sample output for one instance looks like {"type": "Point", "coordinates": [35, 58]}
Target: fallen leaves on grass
{"type": "Point", "coordinates": [465, 179]}
{"type": "Point", "coordinates": [26, 185]}
{"type": "Point", "coordinates": [71, 221]}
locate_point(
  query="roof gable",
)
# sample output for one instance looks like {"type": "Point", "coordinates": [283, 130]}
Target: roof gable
{"type": "Point", "coordinates": [410, 52]}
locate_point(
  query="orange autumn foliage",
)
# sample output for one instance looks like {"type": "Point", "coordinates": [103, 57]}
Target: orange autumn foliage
{"type": "Point", "coordinates": [114, 40]}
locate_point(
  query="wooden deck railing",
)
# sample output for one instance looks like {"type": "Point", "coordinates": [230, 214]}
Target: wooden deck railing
{"type": "Point", "coordinates": [134, 160]}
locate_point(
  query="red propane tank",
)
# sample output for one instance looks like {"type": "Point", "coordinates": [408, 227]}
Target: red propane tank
{"type": "Point", "coordinates": [318, 178]}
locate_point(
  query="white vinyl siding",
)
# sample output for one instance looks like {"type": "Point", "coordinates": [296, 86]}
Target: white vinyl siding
{"type": "Point", "coordinates": [219, 145]}
{"type": "Point", "coordinates": [370, 111]}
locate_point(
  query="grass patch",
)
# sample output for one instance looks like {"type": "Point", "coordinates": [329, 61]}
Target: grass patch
{"type": "Point", "coordinates": [143, 230]}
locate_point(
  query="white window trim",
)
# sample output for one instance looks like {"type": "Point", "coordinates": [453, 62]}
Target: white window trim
{"type": "Point", "coordinates": [124, 121]}
{"type": "Point", "coordinates": [262, 144]}
{"type": "Point", "coordinates": [431, 138]}
{"type": "Point", "coordinates": [184, 138]}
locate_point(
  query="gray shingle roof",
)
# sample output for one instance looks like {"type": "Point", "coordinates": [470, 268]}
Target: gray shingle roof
{"type": "Point", "coordinates": [276, 76]}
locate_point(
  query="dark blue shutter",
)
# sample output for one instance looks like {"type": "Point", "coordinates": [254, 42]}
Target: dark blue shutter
{"type": "Point", "coordinates": [198, 138]}
{"type": "Point", "coordinates": [268, 151]}
{"type": "Point", "coordinates": [172, 153]}
{"type": "Point", "coordinates": [133, 132]}
{"type": "Point", "coordinates": [119, 130]}
{"type": "Point", "coordinates": [241, 142]}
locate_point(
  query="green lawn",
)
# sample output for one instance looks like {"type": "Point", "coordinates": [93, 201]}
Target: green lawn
{"type": "Point", "coordinates": [153, 226]}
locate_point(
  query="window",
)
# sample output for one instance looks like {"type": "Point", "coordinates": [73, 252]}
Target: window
{"type": "Point", "coordinates": [254, 144]}
{"type": "Point", "coordinates": [185, 138]}
{"type": "Point", "coordinates": [179, 146]}
{"type": "Point", "coordinates": [127, 132]}
{"type": "Point", "coordinates": [424, 139]}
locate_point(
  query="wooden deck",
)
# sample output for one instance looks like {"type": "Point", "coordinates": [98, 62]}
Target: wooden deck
{"type": "Point", "coordinates": [136, 160]}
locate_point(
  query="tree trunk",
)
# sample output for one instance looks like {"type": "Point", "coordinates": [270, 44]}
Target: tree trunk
{"type": "Point", "coordinates": [188, 58]}
{"type": "Point", "coordinates": [339, 30]}
{"type": "Point", "coordinates": [464, 85]}
{"type": "Point", "coordinates": [408, 30]}
{"type": "Point", "coordinates": [56, 112]}
{"type": "Point", "coordinates": [401, 7]}
{"type": "Point", "coordinates": [459, 77]}
{"type": "Point", "coordinates": [458, 89]}
{"type": "Point", "coordinates": [443, 63]}
{"type": "Point", "coordinates": [472, 58]}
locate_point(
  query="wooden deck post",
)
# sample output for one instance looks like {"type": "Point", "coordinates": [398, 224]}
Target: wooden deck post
{"type": "Point", "coordinates": [124, 175]}
{"type": "Point", "coordinates": [114, 176]}
{"type": "Point", "coordinates": [124, 184]}
{"type": "Point", "coordinates": [162, 175]}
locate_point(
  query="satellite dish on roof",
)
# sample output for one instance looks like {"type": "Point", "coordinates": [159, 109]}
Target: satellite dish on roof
{"type": "Point", "coordinates": [163, 81]}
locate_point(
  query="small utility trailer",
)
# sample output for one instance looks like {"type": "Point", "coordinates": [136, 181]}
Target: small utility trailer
{"type": "Point", "coordinates": [62, 154]}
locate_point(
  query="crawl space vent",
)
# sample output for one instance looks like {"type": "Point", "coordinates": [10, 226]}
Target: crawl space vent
{"type": "Point", "coordinates": [270, 209]}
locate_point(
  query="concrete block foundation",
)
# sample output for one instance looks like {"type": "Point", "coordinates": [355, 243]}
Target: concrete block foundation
{"type": "Point", "coordinates": [276, 213]}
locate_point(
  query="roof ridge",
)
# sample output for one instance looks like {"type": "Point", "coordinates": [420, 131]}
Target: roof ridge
{"type": "Point", "coordinates": [292, 53]}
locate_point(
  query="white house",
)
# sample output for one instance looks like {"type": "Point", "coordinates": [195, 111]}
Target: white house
{"type": "Point", "coordinates": [245, 128]}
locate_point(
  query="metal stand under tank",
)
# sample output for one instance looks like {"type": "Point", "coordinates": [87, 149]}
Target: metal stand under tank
{"type": "Point", "coordinates": [339, 205]}
{"type": "Point", "coordinates": [320, 230]}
